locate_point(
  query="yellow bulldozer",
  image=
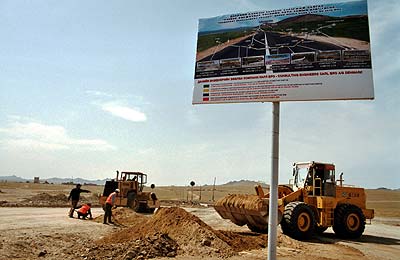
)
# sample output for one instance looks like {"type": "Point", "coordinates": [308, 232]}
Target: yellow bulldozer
{"type": "Point", "coordinates": [314, 202]}
{"type": "Point", "coordinates": [131, 193]}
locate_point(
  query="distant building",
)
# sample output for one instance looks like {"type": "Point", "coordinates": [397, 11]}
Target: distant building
{"type": "Point", "coordinates": [36, 180]}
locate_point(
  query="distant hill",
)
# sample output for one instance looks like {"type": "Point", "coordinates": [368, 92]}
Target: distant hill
{"type": "Point", "coordinates": [245, 183]}
{"type": "Point", "coordinates": [354, 26]}
{"type": "Point", "coordinates": [14, 178]}
{"type": "Point", "coordinates": [382, 188]}
{"type": "Point", "coordinates": [305, 18]}
{"type": "Point", "coordinates": [225, 30]}
{"type": "Point", "coordinates": [75, 180]}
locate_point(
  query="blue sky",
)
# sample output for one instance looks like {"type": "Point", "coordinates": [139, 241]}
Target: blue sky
{"type": "Point", "coordinates": [90, 87]}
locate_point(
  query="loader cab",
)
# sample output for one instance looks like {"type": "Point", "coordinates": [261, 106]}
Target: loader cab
{"type": "Point", "coordinates": [132, 181]}
{"type": "Point", "coordinates": [126, 182]}
{"type": "Point", "coordinates": [317, 178]}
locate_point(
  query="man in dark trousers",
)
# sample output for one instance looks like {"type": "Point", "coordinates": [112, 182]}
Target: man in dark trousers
{"type": "Point", "coordinates": [110, 202]}
{"type": "Point", "coordinates": [74, 196]}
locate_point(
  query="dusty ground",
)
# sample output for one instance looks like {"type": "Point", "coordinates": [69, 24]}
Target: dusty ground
{"type": "Point", "coordinates": [29, 230]}
{"type": "Point", "coordinates": [47, 233]}
{"type": "Point", "coordinates": [344, 42]}
{"type": "Point", "coordinates": [210, 51]}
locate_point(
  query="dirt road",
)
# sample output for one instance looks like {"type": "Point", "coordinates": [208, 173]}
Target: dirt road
{"type": "Point", "coordinates": [47, 233]}
{"type": "Point", "coordinates": [380, 241]}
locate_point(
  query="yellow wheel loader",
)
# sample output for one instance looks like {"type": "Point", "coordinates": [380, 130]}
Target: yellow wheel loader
{"type": "Point", "coordinates": [314, 202]}
{"type": "Point", "coordinates": [131, 193]}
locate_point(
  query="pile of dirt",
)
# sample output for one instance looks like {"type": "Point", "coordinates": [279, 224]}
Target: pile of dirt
{"type": "Point", "coordinates": [44, 199]}
{"type": "Point", "coordinates": [47, 200]}
{"type": "Point", "coordinates": [191, 235]}
{"type": "Point", "coordinates": [125, 217]}
{"type": "Point", "coordinates": [157, 245]}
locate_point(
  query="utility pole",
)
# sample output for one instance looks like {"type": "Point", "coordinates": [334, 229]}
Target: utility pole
{"type": "Point", "coordinates": [200, 194]}
{"type": "Point", "coordinates": [215, 178]}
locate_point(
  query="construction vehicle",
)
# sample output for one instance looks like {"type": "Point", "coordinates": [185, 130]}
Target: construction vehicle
{"type": "Point", "coordinates": [131, 193]}
{"type": "Point", "coordinates": [314, 202]}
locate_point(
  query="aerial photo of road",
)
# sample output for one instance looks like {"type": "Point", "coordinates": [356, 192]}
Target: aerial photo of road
{"type": "Point", "coordinates": [266, 43]}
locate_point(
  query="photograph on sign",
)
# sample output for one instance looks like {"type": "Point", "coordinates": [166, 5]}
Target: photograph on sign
{"type": "Point", "coordinates": [317, 52]}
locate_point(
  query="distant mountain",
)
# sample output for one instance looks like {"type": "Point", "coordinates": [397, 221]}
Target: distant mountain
{"type": "Point", "coordinates": [75, 180]}
{"type": "Point", "coordinates": [245, 183]}
{"type": "Point", "coordinates": [14, 178]}
{"type": "Point", "coordinates": [225, 30]}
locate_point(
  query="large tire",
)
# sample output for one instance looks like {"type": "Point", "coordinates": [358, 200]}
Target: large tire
{"type": "Point", "coordinates": [257, 229]}
{"type": "Point", "coordinates": [135, 205]}
{"type": "Point", "coordinates": [130, 199]}
{"type": "Point", "coordinates": [320, 230]}
{"type": "Point", "coordinates": [349, 221]}
{"type": "Point", "coordinates": [150, 210]}
{"type": "Point", "coordinates": [298, 221]}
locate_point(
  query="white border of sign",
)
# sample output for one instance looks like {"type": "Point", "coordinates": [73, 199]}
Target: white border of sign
{"type": "Point", "coordinates": [344, 74]}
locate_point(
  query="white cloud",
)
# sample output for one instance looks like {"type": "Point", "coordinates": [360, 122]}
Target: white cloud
{"type": "Point", "coordinates": [125, 112]}
{"type": "Point", "coordinates": [37, 136]}
{"type": "Point", "coordinates": [115, 104]}
{"type": "Point", "coordinates": [98, 93]}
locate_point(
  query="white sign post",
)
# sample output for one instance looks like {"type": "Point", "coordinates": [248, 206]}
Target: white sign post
{"type": "Point", "coordinates": [273, 191]}
{"type": "Point", "coordinates": [308, 53]}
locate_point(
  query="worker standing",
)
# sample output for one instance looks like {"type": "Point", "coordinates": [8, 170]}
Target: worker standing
{"type": "Point", "coordinates": [74, 195]}
{"type": "Point", "coordinates": [110, 202]}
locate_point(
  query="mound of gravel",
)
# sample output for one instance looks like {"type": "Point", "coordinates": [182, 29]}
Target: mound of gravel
{"type": "Point", "coordinates": [191, 235]}
{"type": "Point", "coordinates": [45, 199]}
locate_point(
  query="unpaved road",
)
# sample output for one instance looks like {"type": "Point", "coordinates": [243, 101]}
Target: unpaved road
{"type": "Point", "coordinates": [380, 241]}
{"type": "Point", "coordinates": [47, 233]}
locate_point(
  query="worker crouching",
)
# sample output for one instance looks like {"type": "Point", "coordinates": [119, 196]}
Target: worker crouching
{"type": "Point", "coordinates": [110, 202]}
{"type": "Point", "coordinates": [84, 211]}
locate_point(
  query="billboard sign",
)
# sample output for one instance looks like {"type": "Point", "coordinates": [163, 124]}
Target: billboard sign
{"type": "Point", "coordinates": [317, 52]}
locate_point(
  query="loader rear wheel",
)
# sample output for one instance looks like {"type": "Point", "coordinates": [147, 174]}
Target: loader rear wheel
{"type": "Point", "coordinates": [258, 229]}
{"type": "Point", "coordinates": [298, 220]}
{"type": "Point", "coordinates": [349, 221]}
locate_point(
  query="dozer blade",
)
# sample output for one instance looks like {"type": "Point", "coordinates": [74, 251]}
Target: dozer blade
{"type": "Point", "coordinates": [244, 209]}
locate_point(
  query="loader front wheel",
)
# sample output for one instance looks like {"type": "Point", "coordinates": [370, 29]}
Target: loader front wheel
{"type": "Point", "coordinates": [131, 196]}
{"type": "Point", "coordinates": [135, 205]}
{"type": "Point", "coordinates": [320, 230]}
{"type": "Point", "coordinates": [298, 220]}
{"type": "Point", "coordinates": [150, 210]}
{"type": "Point", "coordinates": [349, 221]}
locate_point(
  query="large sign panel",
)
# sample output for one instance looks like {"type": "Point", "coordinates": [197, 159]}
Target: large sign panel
{"type": "Point", "coordinates": [318, 52]}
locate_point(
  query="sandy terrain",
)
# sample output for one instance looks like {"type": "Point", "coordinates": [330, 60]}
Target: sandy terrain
{"type": "Point", "coordinates": [347, 43]}
{"type": "Point", "coordinates": [30, 230]}
{"type": "Point", "coordinates": [210, 51]}
{"type": "Point", "coordinates": [36, 233]}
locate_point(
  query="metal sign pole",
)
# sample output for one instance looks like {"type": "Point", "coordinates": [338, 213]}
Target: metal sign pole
{"type": "Point", "coordinates": [273, 189]}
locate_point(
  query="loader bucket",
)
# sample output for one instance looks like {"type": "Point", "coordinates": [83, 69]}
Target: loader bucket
{"type": "Point", "coordinates": [244, 209]}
